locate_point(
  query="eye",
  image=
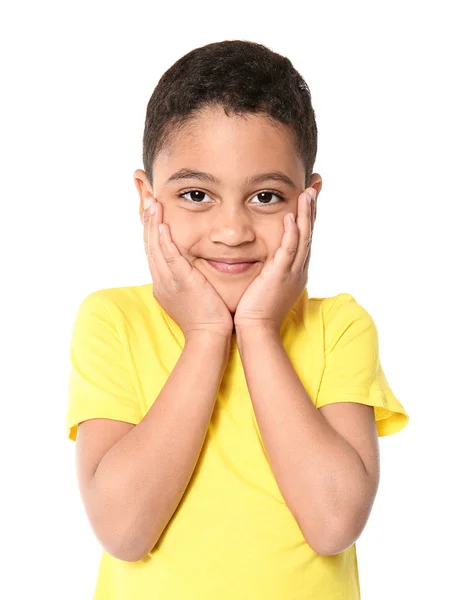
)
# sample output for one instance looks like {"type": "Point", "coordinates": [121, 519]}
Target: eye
{"type": "Point", "coordinates": [197, 200]}
{"type": "Point", "coordinates": [267, 193]}
{"type": "Point", "coordinates": [264, 196]}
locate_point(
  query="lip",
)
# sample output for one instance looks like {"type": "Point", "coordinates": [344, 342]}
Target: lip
{"type": "Point", "coordinates": [230, 261]}
{"type": "Point", "coordinates": [230, 268]}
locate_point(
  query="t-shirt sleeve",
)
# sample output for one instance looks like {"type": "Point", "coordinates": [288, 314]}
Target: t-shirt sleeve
{"type": "Point", "coordinates": [100, 381]}
{"type": "Point", "coordinates": [352, 371]}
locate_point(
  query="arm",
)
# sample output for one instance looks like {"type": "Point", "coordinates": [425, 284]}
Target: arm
{"type": "Point", "coordinates": [322, 478]}
{"type": "Point", "coordinates": [140, 481]}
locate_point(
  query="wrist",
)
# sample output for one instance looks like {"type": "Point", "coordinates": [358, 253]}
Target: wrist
{"type": "Point", "coordinates": [258, 332]}
{"type": "Point", "coordinates": [209, 337]}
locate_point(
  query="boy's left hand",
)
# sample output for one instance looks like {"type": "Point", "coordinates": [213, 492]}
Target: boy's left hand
{"type": "Point", "coordinates": [280, 283]}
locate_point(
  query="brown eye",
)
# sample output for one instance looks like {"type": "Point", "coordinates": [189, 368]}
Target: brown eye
{"type": "Point", "coordinates": [196, 199]}
{"type": "Point", "coordinates": [267, 194]}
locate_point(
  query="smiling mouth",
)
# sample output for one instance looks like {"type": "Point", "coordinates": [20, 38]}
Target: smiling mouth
{"type": "Point", "coordinates": [231, 268]}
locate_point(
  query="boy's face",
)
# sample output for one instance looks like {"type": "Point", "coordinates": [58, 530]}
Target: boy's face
{"type": "Point", "coordinates": [231, 218]}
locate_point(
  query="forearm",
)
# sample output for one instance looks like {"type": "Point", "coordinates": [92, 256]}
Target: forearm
{"type": "Point", "coordinates": [142, 478]}
{"type": "Point", "coordinates": [320, 475]}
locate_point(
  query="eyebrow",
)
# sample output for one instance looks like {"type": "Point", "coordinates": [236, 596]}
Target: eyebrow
{"type": "Point", "coordinates": [183, 174]}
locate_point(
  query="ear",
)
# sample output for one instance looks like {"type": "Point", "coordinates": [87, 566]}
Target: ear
{"type": "Point", "coordinates": [144, 189]}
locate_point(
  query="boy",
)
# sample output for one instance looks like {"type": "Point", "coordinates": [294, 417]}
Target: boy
{"type": "Point", "coordinates": [227, 424]}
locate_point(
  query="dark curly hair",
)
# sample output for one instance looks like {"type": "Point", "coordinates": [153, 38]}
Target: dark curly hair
{"type": "Point", "coordinates": [240, 76]}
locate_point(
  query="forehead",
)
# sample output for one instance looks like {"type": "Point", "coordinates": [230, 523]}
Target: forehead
{"type": "Point", "coordinates": [215, 142]}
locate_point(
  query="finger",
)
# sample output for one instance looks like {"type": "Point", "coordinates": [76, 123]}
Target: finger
{"type": "Point", "coordinates": [312, 224]}
{"type": "Point", "coordinates": [304, 220]}
{"type": "Point", "coordinates": [178, 265]}
{"type": "Point", "coordinates": [286, 252]}
{"type": "Point", "coordinates": [151, 237]}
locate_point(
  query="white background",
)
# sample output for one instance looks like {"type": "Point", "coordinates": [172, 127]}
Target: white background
{"type": "Point", "coordinates": [387, 87]}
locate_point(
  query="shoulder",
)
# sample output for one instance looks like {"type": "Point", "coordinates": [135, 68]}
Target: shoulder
{"type": "Point", "coordinates": [340, 318]}
{"type": "Point", "coordinates": [340, 307]}
{"type": "Point", "coordinates": [343, 303]}
{"type": "Point", "coordinates": [117, 301]}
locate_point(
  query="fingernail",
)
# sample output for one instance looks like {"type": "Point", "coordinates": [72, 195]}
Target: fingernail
{"type": "Point", "coordinates": [147, 202]}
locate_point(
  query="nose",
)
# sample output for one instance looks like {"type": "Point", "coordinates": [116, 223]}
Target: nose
{"type": "Point", "coordinates": [231, 226]}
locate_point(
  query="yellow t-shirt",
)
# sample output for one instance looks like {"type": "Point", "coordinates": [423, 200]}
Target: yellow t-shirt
{"type": "Point", "coordinates": [232, 536]}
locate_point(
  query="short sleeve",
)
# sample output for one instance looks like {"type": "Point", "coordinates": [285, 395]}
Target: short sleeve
{"type": "Point", "coordinates": [352, 370]}
{"type": "Point", "coordinates": [100, 381]}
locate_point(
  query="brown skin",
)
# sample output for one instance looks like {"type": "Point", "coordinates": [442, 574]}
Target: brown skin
{"type": "Point", "coordinates": [229, 219]}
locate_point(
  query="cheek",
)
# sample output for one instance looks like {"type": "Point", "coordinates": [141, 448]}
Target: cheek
{"type": "Point", "coordinates": [273, 238]}
{"type": "Point", "coordinates": [181, 234]}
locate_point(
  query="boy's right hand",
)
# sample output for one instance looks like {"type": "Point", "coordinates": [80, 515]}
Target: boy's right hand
{"type": "Point", "coordinates": [181, 289]}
